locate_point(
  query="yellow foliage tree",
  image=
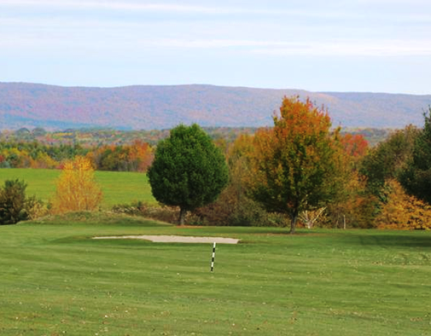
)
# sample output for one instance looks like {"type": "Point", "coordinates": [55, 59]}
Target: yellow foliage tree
{"type": "Point", "coordinates": [43, 161]}
{"type": "Point", "coordinates": [76, 188]}
{"type": "Point", "coordinates": [403, 212]}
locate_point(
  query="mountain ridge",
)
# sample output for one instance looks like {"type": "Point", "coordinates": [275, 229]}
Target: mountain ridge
{"type": "Point", "coordinates": [164, 106]}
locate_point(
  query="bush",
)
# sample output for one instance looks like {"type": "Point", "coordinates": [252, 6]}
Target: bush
{"type": "Point", "coordinates": [248, 213]}
{"type": "Point", "coordinates": [36, 208]}
{"type": "Point", "coordinates": [13, 207]}
{"type": "Point", "coordinates": [235, 209]}
{"type": "Point", "coordinates": [168, 214]}
{"type": "Point", "coordinates": [402, 211]}
{"type": "Point", "coordinates": [77, 189]}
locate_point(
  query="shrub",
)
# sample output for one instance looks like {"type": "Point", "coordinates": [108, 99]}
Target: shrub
{"type": "Point", "coordinates": [13, 202]}
{"type": "Point", "coordinates": [76, 188]}
{"type": "Point", "coordinates": [232, 209]}
{"type": "Point", "coordinates": [36, 208]}
{"type": "Point", "coordinates": [402, 211]}
{"type": "Point", "coordinates": [168, 214]}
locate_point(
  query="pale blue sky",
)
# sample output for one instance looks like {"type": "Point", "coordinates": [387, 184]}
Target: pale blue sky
{"type": "Point", "coordinates": [356, 45]}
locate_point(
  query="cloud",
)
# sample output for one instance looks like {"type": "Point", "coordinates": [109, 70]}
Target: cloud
{"type": "Point", "coordinates": [405, 12]}
{"type": "Point", "coordinates": [271, 48]}
{"type": "Point", "coordinates": [134, 6]}
{"type": "Point", "coordinates": [111, 5]}
{"type": "Point", "coordinates": [310, 48]}
{"type": "Point", "coordinates": [295, 35]}
{"type": "Point", "coordinates": [382, 48]}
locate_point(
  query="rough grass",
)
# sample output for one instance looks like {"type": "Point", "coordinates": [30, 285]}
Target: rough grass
{"type": "Point", "coordinates": [56, 280]}
{"type": "Point", "coordinates": [117, 187]}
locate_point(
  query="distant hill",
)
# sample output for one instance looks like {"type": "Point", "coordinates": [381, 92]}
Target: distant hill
{"type": "Point", "coordinates": [160, 107]}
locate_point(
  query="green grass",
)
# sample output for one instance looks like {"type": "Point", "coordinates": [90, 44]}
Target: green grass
{"type": "Point", "coordinates": [55, 280]}
{"type": "Point", "coordinates": [117, 187]}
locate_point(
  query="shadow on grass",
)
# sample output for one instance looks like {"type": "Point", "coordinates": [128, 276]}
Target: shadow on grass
{"type": "Point", "coordinates": [254, 230]}
{"type": "Point", "coordinates": [96, 218]}
{"type": "Point", "coordinates": [101, 242]}
{"type": "Point", "coordinates": [393, 240]}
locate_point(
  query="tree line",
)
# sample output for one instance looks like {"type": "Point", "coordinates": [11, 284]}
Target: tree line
{"type": "Point", "coordinates": [300, 171]}
{"type": "Point", "coordinates": [136, 156]}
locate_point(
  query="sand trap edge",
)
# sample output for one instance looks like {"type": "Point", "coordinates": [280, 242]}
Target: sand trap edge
{"type": "Point", "coordinates": [177, 239]}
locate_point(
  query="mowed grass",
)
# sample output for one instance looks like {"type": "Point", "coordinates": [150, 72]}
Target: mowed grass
{"type": "Point", "coordinates": [117, 187]}
{"type": "Point", "coordinates": [56, 280]}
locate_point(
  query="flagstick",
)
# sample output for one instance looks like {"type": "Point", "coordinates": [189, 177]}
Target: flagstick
{"type": "Point", "coordinates": [213, 257]}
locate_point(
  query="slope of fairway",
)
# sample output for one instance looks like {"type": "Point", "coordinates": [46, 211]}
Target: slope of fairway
{"type": "Point", "coordinates": [117, 187]}
{"type": "Point", "coordinates": [56, 280]}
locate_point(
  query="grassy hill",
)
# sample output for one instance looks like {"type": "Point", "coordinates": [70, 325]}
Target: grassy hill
{"type": "Point", "coordinates": [56, 280]}
{"type": "Point", "coordinates": [160, 107]}
{"type": "Point", "coordinates": [117, 187]}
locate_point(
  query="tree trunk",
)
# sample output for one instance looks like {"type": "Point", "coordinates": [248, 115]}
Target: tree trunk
{"type": "Point", "coordinates": [293, 222]}
{"type": "Point", "coordinates": [182, 216]}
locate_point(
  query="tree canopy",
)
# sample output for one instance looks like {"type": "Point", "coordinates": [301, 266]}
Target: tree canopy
{"type": "Point", "coordinates": [296, 160]}
{"type": "Point", "coordinates": [388, 158]}
{"type": "Point", "coordinates": [188, 171]}
{"type": "Point", "coordinates": [416, 177]}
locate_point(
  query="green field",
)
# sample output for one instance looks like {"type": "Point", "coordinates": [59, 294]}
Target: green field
{"type": "Point", "coordinates": [55, 280]}
{"type": "Point", "coordinates": [117, 187]}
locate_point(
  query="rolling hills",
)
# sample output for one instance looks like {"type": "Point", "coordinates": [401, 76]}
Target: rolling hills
{"type": "Point", "coordinates": [161, 107]}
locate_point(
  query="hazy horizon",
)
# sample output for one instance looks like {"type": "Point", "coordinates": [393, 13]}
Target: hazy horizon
{"type": "Point", "coordinates": [214, 85]}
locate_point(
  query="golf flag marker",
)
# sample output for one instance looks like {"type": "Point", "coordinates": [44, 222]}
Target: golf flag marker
{"type": "Point", "coordinates": [213, 257]}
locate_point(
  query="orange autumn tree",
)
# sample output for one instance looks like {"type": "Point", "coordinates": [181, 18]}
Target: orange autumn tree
{"type": "Point", "coordinates": [349, 207]}
{"type": "Point", "coordinates": [355, 146]}
{"type": "Point", "coordinates": [140, 156]}
{"type": "Point", "coordinates": [76, 188]}
{"type": "Point", "coordinates": [353, 205]}
{"type": "Point", "coordinates": [295, 162]}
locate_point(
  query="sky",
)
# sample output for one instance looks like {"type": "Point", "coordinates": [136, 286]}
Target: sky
{"type": "Point", "coordinates": [346, 46]}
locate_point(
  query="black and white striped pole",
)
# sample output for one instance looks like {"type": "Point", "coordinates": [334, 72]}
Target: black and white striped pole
{"type": "Point", "coordinates": [213, 257]}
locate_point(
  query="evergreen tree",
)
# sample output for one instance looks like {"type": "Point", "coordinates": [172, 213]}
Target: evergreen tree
{"type": "Point", "coordinates": [188, 171]}
{"type": "Point", "coordinates": [388, 158]}
{"type": "Point", "coordinates": [416, 177]}
{"type": "Point", "coordinates": [13, 202]}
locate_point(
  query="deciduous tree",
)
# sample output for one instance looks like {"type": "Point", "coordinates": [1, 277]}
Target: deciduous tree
{"type": "Point", "coordinates": [76, 188]}
{"type": "Point", "coordinates": [402, 211]}
{"type": "Point", "coordinates": [234, 206]}
{"type": "Point", "coordinates": [353, 204]}
{"type": "Point", "coordinates": [388, 158]}
{"type": "Point", "coordinates": [295, 162]}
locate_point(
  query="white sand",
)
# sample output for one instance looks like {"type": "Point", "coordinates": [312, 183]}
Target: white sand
{"type": "Point", "coordinates": [177, 239]}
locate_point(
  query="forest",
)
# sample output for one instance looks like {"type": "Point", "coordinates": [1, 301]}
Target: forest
{"type": "Point", "coordinates": [38, 148]}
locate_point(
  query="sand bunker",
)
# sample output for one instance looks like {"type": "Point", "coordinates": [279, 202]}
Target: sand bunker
{"type": "Point", "coordinates": [177, 239]}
